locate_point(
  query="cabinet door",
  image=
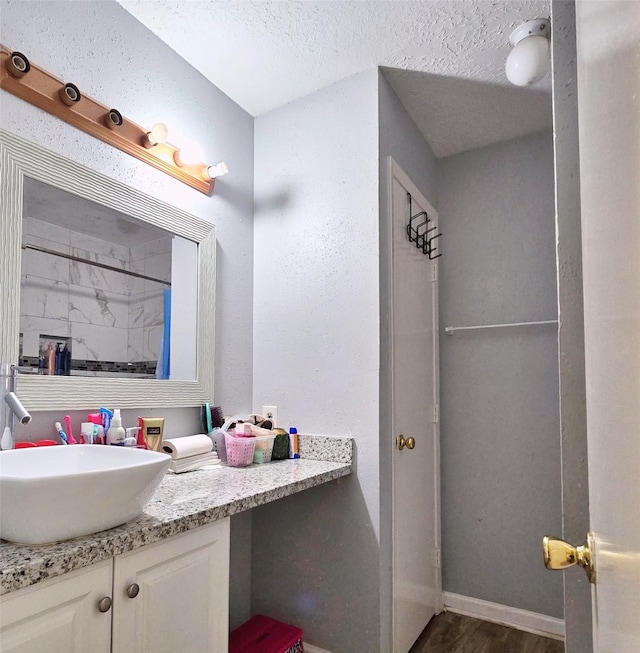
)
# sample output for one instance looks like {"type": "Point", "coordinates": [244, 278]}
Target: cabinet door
{"type": "Point", "coordinates": [59, 615]}
{"type": "Point", "coordinates": [183, 598]}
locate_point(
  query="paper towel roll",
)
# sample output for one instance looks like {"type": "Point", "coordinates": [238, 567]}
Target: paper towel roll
{"type": "Point", "coordinates": [190, 445]}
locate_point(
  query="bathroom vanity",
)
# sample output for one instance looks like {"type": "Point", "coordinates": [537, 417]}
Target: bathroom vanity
{"type": "Point", "coordinates": [159, 583]}
{"type": "Point", "coordinates": [167, 596]}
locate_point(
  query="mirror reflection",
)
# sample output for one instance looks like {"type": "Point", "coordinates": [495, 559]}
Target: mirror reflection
{"type": "Point", "coordinates": [101, 292]}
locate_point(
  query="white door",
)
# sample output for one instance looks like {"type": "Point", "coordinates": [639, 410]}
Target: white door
{"type": "Point", "coordinates": [414, 337]}
{"type": "Point", "coordinates": [608, 44]}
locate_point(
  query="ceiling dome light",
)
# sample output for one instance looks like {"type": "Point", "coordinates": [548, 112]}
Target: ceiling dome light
{"type": "Point", "coordinates": [528, 62]}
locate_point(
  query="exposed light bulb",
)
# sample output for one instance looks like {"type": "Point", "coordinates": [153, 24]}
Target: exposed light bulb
{"type": "Point", "coordinates": [218, 170]}
{"type": "Point", "coordinates": [189, 153]}
{"type": "Point", "coordinates": [156, 136]}
{"type": "Point", "coordinates": [528, 61]}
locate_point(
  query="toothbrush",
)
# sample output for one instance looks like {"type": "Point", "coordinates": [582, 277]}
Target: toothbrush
{"type": "Point", "coordinates": [61, 433]}
{"type": "Point", "coordinates": [67, 423]}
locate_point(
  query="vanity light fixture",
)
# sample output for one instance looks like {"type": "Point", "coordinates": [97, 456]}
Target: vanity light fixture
{"type": "Point", "coordinates": [18, 65]}
{"type": "Point", "coordinates": [213, 172]}
{"type": "Point", "coordinates": [113, 119]}
{"type": "Point", "coordinates": [189, 154]}
{"type": "Point", "coordinates": [40, 88]}
{"type": "Point", "coordinates": [69, 94]}
{"type": "Point", "coordinates": [157, 135]}
{"type": "Point", "coordinates": [528, 62]}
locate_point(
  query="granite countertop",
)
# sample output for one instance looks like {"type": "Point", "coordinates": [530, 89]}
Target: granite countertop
{"type": "Point", "coordinates": [182, 502]}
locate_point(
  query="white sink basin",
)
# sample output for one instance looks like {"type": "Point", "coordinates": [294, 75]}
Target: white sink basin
{"type": "Point", "coordinates": [49, 494]}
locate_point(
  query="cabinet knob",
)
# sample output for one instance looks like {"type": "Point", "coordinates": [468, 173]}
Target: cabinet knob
{"type": "Point", "coordinates": [104, 604]}
{"type": "Point", "coordinates": [133, 590]}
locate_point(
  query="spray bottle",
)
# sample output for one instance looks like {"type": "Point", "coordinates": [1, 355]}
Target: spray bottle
{"type": "Point", "coordinates": [116, 434]}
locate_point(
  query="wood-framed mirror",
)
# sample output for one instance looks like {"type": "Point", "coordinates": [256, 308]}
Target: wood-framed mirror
{"type": "Point", "coordinates": [32, 304]}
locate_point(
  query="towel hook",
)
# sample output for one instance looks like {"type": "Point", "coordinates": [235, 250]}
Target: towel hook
{"type": "Point", "coordinates": [420, 238]}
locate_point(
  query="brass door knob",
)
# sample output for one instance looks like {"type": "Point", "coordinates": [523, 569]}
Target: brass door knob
{"type": "Point", "coordinates": [133, 590]}
{"type": "Point", "coordinates": [559, 554]}
{"type": "Point", "coordinates": [402, 442]}
{"type": "Point", "coordinates": [104, 604]}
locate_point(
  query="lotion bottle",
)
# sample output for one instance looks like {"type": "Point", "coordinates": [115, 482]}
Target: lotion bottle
{"type": "Point", "coordinates": [116, 434]}
{"type": "Point", "coordinates": [50, 358]}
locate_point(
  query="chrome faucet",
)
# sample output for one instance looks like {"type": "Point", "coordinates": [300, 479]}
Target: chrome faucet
{"type": "Point", "coordinates": [10, 406]}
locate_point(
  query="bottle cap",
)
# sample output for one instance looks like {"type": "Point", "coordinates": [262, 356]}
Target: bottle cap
{"type": "Point", "coordinates": [293, 429]}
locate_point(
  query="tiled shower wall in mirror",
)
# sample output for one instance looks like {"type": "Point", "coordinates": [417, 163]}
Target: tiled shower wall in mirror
{"type": "Point", "coordinates": [110, 317]}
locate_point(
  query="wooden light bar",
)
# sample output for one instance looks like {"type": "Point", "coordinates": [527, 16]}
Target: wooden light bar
{"type": "Point", "coordinates": [43, 90]}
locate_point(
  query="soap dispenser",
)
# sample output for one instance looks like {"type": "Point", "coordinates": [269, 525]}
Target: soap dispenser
{"type": "Point", "coordinates": [116, 434]}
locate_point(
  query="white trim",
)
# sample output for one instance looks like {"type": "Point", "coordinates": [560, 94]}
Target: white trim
{"type": "Point", "coordinates": [310, 648]}
{"type": "Point", "coordinates": [530, 622]}
{"type": "Point", "coordinates": [396, 171]}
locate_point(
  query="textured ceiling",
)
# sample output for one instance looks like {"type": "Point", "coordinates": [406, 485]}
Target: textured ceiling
{"type": "Point", "coordinates": [444, 58]}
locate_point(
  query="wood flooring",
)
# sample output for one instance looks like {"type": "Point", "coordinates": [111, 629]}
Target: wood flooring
{"type": "Point", "coordinates": [452, 633]}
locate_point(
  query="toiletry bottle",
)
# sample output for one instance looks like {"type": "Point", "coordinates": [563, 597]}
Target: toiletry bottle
{"type": "Point", "coordinates": [50, 360]}
{"type": "Point", "coordinates": [131, 436]}
{"type": "Point", "coordinates": [141, 443]}
{"type": "Point", "coordinates": [293, 443]}
{"type": "Point", "coordinates": [42, 362]}
{"type": "Point", "coordinates": [7, 442]}
{"type": "Point", "coordinates": [116, 434]}
{"type": "Point", "coordinates": [152, 432]}
{"type": "Point", "coordinates": [66, 361]}
{"type": "Point", "coordinates": [58, 359]}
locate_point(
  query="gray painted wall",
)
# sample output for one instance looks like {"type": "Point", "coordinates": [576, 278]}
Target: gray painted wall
{"type": "Point", "coordinates": [499, 388]}
{"type": "Point", "coordinates": [315, 557]}
{"type": "Point", "coordinates": [573, 409]}
{"type": "Point", "coordinates": [401, 139]}
{"type": "Point", "coordinates": [113, 58]}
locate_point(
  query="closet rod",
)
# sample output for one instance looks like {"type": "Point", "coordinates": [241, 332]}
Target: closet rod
{"type": "Point", "coordinates": [451, 330]}
{"type": "Point", "coordinates": [104, 266]}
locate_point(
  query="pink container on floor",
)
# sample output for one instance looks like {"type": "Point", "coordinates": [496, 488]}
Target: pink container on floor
{"type": "Point", "coordinates": [262, 634]}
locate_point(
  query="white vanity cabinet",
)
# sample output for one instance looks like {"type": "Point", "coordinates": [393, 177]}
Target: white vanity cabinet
{"type": "Point", "coordinates": [165, 597]}
{"type": "Point", "coordinates": [60, 615]}
{"type": "Point", "coordinates": [182, 601]}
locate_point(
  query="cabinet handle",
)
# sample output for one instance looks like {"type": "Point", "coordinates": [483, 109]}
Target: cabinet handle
{"type": "Point", "coordinates": [104, 604]}
{"type": "Point", "coordinates": [133, 590]}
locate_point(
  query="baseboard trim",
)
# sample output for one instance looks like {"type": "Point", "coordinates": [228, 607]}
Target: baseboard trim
{"type": "Point", "coordinates": [310, 648]}
{"type": "Point", "coordinates": [530, 622]}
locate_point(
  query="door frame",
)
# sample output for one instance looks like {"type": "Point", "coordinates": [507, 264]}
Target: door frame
{"type": "Point", "coordinates": [394, 171]}
{"type": "Point", "coordinates": [571, 345]}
